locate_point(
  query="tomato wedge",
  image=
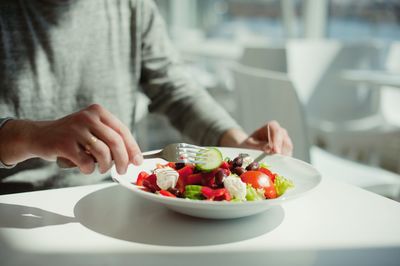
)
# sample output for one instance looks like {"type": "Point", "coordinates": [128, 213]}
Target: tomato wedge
{"type": "Point", "coordinates": [268, 173]}
{"type": "Point", "coordinates": [258, 179]}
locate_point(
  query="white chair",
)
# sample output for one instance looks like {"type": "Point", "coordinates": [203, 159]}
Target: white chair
{"type": "Point", "coordinates": [265, 56]}
{"type": "Point", "coordinates": [392, 63]}
{"type": "Point", "coordinates": [263, 95]}
{"type": "Point", "coordinates": [260, 99]}
{"type": "Point", "coordinates": [386, 82]}
{"type": "Point", "coordinates": [314, 66]}
{"type": "Point", "coordinates": [344, 118]}
{"type": "Point", "coordinates": [390, 96]}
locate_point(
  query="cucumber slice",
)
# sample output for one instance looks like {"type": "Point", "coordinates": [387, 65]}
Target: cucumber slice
{"type": "Point", "coordinates": [212, 159]}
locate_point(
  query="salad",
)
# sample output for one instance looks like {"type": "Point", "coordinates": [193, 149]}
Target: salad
{"type": "Point", "coordinates": [237, 180]}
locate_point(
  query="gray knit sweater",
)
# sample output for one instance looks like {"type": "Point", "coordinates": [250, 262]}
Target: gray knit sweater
{"type": "Point", "coordinates": [57, 57]}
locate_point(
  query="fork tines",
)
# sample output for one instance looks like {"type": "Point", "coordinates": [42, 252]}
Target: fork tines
{"type": "Point", "coordinates": [189, 153]}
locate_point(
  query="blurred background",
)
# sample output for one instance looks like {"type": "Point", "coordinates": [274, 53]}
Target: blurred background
{"type": "Point", "coordinates": [327, 70]}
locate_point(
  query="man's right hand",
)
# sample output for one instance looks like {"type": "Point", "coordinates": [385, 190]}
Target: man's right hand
{"type": "Point", "coordinates": [85, 137]}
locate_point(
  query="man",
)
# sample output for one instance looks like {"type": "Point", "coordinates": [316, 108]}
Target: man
{"type": "Point", "coordinates": [68, 77]}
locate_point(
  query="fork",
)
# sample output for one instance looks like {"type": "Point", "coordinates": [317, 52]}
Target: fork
{"type": "Point", "coordinates": [180, 153]}
{"type": "Point", "coordinates": [176, 152]}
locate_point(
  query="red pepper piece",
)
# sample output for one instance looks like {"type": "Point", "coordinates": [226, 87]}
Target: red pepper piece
{"type": "Point", "coordinates": [141, 177]}
{"type": "Point", "coordinates": [224, 165]}
{"type": "Point", "coordinates": [151, 183]}
{"type": "Point", "coordinates": [194, 179]}
{"type": "Point", "coordinates": [185, 171]}
{"type": "Point", "coordinates": [166, 193]}
{"type": "Point", "coordinates": [215, 194]}
{"type": "Point", "coordinates": [207, 192]}
{"type": "Point", "coordinates": [227, 196]}
{"type": "Point", "coordinates": [171, 164]}
{"type": "Point", "coordinates": [219, 192]}
{"type": "Point", "coordinates": [181, 183]}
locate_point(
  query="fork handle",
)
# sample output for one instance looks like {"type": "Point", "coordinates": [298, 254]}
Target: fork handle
{"type": "Point", "coordinates": [65, 163]}
{"type": "Point", "coordinates": [152, 155]}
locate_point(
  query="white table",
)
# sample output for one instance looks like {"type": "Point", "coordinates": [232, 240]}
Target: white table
{"type": "Point", "coordinates": [335, 224]}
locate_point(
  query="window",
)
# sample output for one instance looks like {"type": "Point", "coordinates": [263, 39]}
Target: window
{"type": "Point", "coordinates": [364, 20]}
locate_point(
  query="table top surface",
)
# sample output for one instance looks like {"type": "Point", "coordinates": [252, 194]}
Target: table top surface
{"type": "Point", "coordinates": [334, 223]}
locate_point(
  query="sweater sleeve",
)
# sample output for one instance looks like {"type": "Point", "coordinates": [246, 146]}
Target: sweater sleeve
{"type": "Point", "coordinates": [2, 123]}
{"type": "Point", "coordinates": [171, 90]}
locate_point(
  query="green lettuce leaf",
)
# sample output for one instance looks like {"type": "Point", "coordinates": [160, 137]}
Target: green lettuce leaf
{"type": "Point", "coordinates": [282, 184]}
{"type": "Point", "coordinates": [253, 194]}
{"type": "Point", "coordinates": [193, 192]}
{"type": "Point", "coordinates": [263, 165]}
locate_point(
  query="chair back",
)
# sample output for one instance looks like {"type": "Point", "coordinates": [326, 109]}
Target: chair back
{"type": "Point", "coordinates": [269, 57]}
{"type": "Point", "coordinates": [307, 63]}
{"type": "Point", "coordinates": [263, 95]}
{"type": "Point", "coordinates": [390, 97]}
{"type": "Point", "coordinates": [315, 67]}
{"type": "Point", "coordinates": [393, 58]}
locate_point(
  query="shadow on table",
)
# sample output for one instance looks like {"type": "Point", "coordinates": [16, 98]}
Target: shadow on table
{"type": "Point", "coordinates": [19, 216]}
{"type": "Point", "coordinates": [119, 213]}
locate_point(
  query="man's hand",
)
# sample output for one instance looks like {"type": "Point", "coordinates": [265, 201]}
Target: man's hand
{"type": "Point", "coordinates": [85, 137]}
{"type": "Point", "coordinates": [270, 138]}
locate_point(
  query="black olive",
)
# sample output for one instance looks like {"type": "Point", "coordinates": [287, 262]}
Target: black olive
{"type": "Point", "coordinates": [219, 177]}
{"type": "Point", "coordinates": [175, 191]}
{"type": "Point", "coordinates": [179, 166]}
{"type": "Point", "coordinates": [253, 166]}
{"type": "Point", "coordinates": [239, 170]}
{"type": "Point", "coordinates": [238, 161]}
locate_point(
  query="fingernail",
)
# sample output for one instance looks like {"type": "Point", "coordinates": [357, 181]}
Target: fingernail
{"type": "Point", "coordinates": [122, 171]}
{"type": "Point", "coordinates": [137, 159]}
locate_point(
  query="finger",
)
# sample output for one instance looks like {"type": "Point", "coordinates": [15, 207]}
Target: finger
{"type": "Point", "coordinates": [267, 148]}
{"type": "Point", "coordinates": [277, 137]}
{"type": "Point", "coordinates": [115, 144]}
{"type": "Point", "coordinates": [134, 152]}
{"type": "Point", "coordinates": [79, 158]}
{"type": "Point", "coordinates": [253, 143]}
{"type": "Point", "coordinates": [100, 151]}
{"type": "Point", "coordinates": [287, 146]}
{"type": "Point", "coordinates": [64, 163]}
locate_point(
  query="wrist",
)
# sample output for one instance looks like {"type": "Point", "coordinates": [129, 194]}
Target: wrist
{"type": "Point", "coordinates": [233, 138]}
{"type": "Point", "coordinates": [15, 139]}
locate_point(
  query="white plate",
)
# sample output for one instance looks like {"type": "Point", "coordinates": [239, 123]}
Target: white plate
{"type": "Point", "coordinates": [304, 176]}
